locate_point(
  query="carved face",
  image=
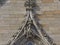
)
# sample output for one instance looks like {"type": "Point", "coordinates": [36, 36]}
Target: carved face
{"type": "Point", "coordinates": [2, 2]}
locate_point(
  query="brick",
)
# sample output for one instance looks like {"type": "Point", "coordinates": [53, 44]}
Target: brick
{"type": "Point", "coordinates": [50, 14]}
{"type": "Point", "coordinates": [47, 1]}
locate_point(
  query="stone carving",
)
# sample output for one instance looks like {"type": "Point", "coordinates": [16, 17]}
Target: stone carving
{"type": "Point", "coordinates": [30, 32]}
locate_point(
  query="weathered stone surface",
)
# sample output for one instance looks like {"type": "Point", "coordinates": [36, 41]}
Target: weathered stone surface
{"type": "Point", "coordinates": [13, 12]}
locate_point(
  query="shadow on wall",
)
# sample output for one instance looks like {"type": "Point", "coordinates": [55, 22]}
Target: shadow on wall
{"type": "Point", "coordinates": [2, 2]}
{"type": "Point", "coordinates": [37, 8]}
